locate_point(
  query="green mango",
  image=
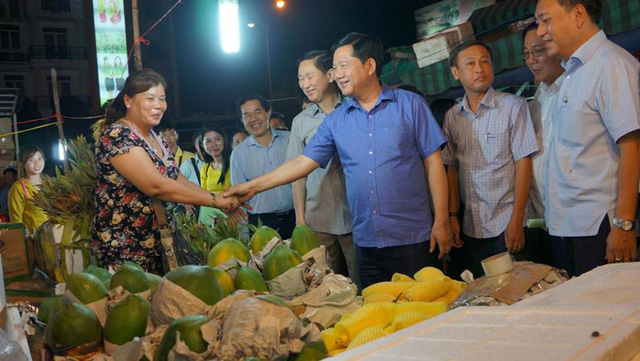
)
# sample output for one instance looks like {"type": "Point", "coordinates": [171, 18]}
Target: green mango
{"type": "Point", "coordinates": [200, 281]}
{"type": "Point", "coordinates": [46, 306]}
{"type": "Point", "coordinates": [127, 320]}
{"type": "Point", "coordinates": [279, 261]}
{"type": "Point", "coordinates": [101, 273]}
{"type": "Point", "coordinates": [154, 280]}
{"type": "Point", "coordinates": [189, 328]}
{"type": "Point", "coordinates": [303, 239]}
{"type": "Point", "coordinates": [86, 287]}
{"type": "Point", "coordinates": [74, 325]}
{"type": "Point", "coordinates": [261, 237]}
{"type": "Point", "coordinates": [249, 279]}
{"type": "Point", "coordinates": [131, 277]}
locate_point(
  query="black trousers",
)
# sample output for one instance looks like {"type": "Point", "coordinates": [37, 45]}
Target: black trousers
{"type": "Point", "coordinates": [379, 264]}
{"type": "Point", "coordinates": [475, 250]}
{"type": "Point", "coordinates": [578, 255]}
{"type": "Point", "coordinates": [283, 222]}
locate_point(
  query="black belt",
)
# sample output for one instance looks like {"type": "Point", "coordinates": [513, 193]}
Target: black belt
{"type": "Point", "coordinates": [276, 215]}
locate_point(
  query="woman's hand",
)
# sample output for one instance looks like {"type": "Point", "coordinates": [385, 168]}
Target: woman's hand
{"type": "Point", "coordinates": [231, 205]}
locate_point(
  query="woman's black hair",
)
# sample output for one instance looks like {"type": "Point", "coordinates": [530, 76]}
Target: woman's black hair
{"type": "Point", "coordinates": [27, 153]}
{"type": "Point", "coordinates": [226, 151]}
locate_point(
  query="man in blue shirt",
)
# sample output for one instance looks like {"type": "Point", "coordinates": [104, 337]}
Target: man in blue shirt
{"type": "Point", "coordinates": [594, 160]}
{"type": "Point", "coordinates": [262, 152]}
{"type": "Point", "coordinates": [389, 145]}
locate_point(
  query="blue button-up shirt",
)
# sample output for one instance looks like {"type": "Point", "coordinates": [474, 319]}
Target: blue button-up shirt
{"type": "Point", "coordinates": [484, 148]}
{"type": "Point", "coordinates": [599, 102]}
{"type": "Point", "coordinates": [382, 153]}
{"type": "Point", "coordinates": [250, 160]}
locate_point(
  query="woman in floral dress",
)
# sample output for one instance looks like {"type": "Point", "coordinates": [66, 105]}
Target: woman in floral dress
{"type": "Point", "coordinates": [133, 167]}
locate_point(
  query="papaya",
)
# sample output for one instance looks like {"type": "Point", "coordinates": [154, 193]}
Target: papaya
{"type": "Point", "coordinates": [131, 277]}
{"type": "Point", "coordinates": [228, 249]}
{"type": "Point", "coordinates": [280, 260]}
{"type": "Point", "coordinates": [225, 281]}
{"type": "Point", "coordinates": [75, 324]}
{"type": "Point", "coordinates": [261, 237]}
{"type": "Point", "coordinates": [127, 320]}
{"type": "Point", "coordinates": [314, 351]}
{"type": "Point", "coordinates": [200, 281]}
{"type": "Point", "coordinates": [189, 329]}
{"type": "Point", "coordinates": [134, 265]}
{"type": "Point", "coordinates": [101, 273]}
{"type": "Point", "coordinates": [249, 279]}
{"type": "Point", "coordinates": [303, 239]}
{"type": "Point", "coordinates": [46, 306]}
{"type": "Point", "coordinates": [154, 280]}
{"type": "Point", "coordinates": [86, 287]}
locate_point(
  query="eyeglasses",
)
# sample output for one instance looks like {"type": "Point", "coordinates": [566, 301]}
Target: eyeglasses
{"type": "Point", "coordinates": [536, 53]}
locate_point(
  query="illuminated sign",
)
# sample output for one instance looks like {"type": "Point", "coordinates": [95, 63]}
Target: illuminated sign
{"type": "Point", "coordinates": [111, 47]}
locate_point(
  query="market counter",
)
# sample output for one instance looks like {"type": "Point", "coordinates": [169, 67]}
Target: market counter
{"type": "Point", "coordinates": [592, 317]}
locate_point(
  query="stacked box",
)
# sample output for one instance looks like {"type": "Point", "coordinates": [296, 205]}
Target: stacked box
{"type": "Point", "coordinates": [438, 46]}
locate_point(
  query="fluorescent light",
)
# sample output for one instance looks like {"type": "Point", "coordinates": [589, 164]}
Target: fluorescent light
{"type": "Point", "coordinates": [229, 25]}
{"type": "Point", "coordinates": [251, 25]}
{"type": "Point", "coordinates": [62, 149]}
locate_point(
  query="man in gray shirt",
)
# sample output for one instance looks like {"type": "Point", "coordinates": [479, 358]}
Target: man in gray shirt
{"type": "Point", "coordinates": [320, 199]}
{"type": "Point", "coordinates": [490, 140]}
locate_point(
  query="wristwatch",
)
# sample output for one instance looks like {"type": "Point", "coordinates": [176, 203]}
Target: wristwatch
{"type": "Point", "coordinates": [624, 224]}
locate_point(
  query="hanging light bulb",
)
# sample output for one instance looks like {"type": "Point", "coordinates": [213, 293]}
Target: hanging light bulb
{"type": "Point", "coordinates": [229, 25]}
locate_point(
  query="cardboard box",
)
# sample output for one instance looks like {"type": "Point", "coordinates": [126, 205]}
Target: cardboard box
{"type": "Point", "coordinates": [438, 46]}
{"type": "Point", "coordinates": [445, 14]}
{"type": "Point", "coordinates": [17, 255]}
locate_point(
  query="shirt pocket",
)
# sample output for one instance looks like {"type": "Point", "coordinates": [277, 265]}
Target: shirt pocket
{"type": "Point", "coordinates": [495, 142]}
{"type": "Point", "coordinates": [570, 129]}
{"type": "Point", "coordinates": [396, 137]}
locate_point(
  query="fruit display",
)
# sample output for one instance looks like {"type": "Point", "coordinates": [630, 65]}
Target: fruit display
{"type": "Point", "coordinates": [392, 306]}
{"type": "Point", "coordinates": [228, 311]}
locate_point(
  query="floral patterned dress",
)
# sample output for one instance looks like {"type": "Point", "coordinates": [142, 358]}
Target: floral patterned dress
{"type": "Point", "coordinates": [125, 227]}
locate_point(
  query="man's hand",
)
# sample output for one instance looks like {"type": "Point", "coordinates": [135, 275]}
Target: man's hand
{"type": "Point", "coordinates": [242, 190]}
{"type": "Point", "coordinates": [454, 225]}
{"type": "Point", "coordinates": [621, 246]}
{"type": "Point", "coordinates": [514, 236]}
{"type": "Point", "coordinates": [441, 234]}
{"type": "Point", "coordinates": [231, 206]}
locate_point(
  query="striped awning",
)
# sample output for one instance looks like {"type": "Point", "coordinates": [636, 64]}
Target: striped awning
{"type": "Point", "coordinates": [618, 16]}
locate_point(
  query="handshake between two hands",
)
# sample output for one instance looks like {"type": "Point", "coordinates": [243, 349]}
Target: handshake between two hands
{"type": "Point", "coordinates": [233, 200]}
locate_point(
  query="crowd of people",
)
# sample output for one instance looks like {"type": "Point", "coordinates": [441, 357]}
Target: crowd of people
{"type": "Point", "coordinates": [386, 186]}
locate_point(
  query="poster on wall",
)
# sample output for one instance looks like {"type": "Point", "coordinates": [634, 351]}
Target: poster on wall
{"type": "Point", "coordinates": [111, 47]}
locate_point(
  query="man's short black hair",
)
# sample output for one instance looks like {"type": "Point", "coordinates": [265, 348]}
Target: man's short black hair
{"type": "Point", "coordinates": [365, 47]}
{"type": "Point", "coordinates": [10, 170]}
{"type": "Point", "coordinates": [532, 27]}
{"type": "Point", "coordinates": [263, 101]}
{"type": "Point", "coordinates": [322, 59]}
{"type": "Point", "coordinates": [162, 127]}
{"type": "Point", "coordinates": [594, 7]}
{"type": "Point", "coordinates": [278, 115]}
{"type": "Point", "coordinates": [453, 58]}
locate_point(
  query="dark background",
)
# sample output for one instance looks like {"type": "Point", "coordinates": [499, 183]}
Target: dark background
{"type": "Point", "coordinates": [209, 81]}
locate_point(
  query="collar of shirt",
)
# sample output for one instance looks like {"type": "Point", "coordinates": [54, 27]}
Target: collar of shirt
{"type": "Point", "coordinates": [386, 94]}
{"type": "Point", "coordinates": [252, 140]}
{"type": "Point", "coordinates": [586, 51]}
{"type": "Point", "coordinates": [553, 88]}
{"type": "Point", "coordinates": [315, 109]}
{"type": "Point", "coordinates": [488, 101]}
